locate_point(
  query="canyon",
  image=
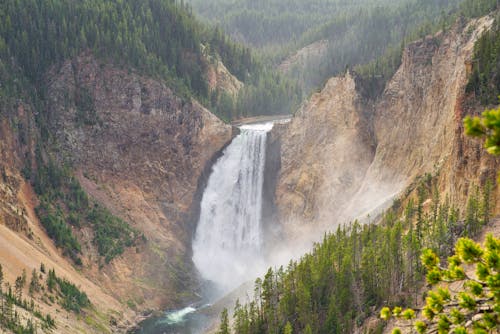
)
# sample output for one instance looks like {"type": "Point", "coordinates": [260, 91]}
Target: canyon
{"type": "Point", "coordinates": [146, 154]}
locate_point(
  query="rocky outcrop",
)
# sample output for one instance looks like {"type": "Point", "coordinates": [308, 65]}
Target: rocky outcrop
{"type": "Point", "coordinates": [219, 78]}
{"type": "Point", "coordinates": [345, 157]}
{"type": "Point", "coordinates": [326, 151]}
{"type": "Point", "coordinates": [24, 244]}
{"type": "Point", "coordinates": [139, 150]}
{"type": "Point", "coordinates": [307, 56]}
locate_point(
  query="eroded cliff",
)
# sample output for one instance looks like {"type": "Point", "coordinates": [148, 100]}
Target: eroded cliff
{"type": "Point", "coordinates": [345, 156]}
{"type": "Point", "coordinates": [138, 150]}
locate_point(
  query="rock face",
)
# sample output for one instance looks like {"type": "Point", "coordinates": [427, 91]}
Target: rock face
{"type": "Point", "coordinates": [139, 150]}
{"type": "Point", "coordinates": [220, 78]}
{"type": "Point", "coordinates": [24, 244]}
{"type": "Point", "coordinates": [345, 157]}
{"type": "Point", "coordinates": [326, 150]}
{"type": "Point", "coordinates": [310, 54]}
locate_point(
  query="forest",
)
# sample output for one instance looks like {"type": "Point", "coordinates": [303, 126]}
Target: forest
{"type": "Point", "coordinates": [160, 38]}
{"type": "Point", "coordinates": [379, 264]}
{"type": "Point", "coordinates": [484, 83]}
{"type": "Point", "coordinates": [358, 33]}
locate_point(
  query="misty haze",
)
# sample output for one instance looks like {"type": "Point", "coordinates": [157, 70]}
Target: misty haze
{"type": "Point", "coordinates": [249, 166]}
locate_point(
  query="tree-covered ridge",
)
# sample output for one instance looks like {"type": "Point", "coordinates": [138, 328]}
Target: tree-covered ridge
{"type": "Point", "coordinates": [484, 83]}
{"type": "Point", "coordinates": [359, 268]}
{"type": "Point", "coordinates": [375, 73]}
{"type": "Point", "coordinates": [159, 37]}
{"type": "Point", "coordinates": [357, 31]}
{"type": "Point", "coordinates": [274, 22]}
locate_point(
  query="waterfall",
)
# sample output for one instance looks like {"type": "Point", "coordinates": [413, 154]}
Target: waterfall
{"type": "Point", "coordinates": [227, 247]}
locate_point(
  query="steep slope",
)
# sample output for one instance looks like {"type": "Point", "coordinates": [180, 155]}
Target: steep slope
{"type": "Point", "coordinates": [413, 128]}
{"type": "Point", "coordinates": [326, 150]}
{"type": "Point", "coordinates": [24, 244]}
{"type": "Point", "coordinates": [142, 158]}
{"type": "Point", "coordinates": [138, 150]}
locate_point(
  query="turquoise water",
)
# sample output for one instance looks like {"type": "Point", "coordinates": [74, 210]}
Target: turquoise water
{"type": "Point", "coordinates": [186, 321]}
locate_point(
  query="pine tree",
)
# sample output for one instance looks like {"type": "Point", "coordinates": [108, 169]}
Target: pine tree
{"type": "Point", "coordinates": [35, 283]}
{"type": "Point", "coordinates": [224, 323]}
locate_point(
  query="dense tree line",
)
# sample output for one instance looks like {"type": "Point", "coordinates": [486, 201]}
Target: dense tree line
{"type": "Point", "coordinates": [359, 268]}
{"type": "Point", "coordinates": [484, 82]}
{"type": "Point", "coordinates": [275, 22]}
{"type": "Point", "coordinates": [368, 33]}
{"type": "Point", "coordinates": [357, 32]}
{"type": "Point", "coordinates": [375, 73]}
{"type": "Point", "coordinates": [157, 36]}
{"type": "Point", "coordinates": [161, 38]}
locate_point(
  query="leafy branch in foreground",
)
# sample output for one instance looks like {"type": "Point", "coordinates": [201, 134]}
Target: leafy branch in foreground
{"type": "Point", "coordinates": [473, 309]}
{"type": "Point", "coordinates": [486, 126]}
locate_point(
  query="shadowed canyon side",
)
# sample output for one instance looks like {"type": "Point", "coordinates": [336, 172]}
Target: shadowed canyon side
{"type": "Point", "coordinates": [345, 156]}
{"type": "Point", "coordinates": [138, 150]}
{"type": "Point", "coordinates": [147, 150]}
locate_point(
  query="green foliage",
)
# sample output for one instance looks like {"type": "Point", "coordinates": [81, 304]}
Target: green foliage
{"type": "Point", "coordinates": [58, 230]}
{"type": "Point", "coordinates": [476, 8]}
{"type": "Point", "coordinates": [154, 36]}
{"type": "Point", "coordinates": [486, 126]}
{"type": "Point", "coordinates": [10, 303]}
{"type": "Point", "coordinates": [63, 203]}
{"type": "Point", "coordinates": [358, 32]}
{"type": "Point", "coordinates": [224, 323]}
{"type": "Point", "coordinates": [484, 82]}
{"type": "Point", "coordinates": [72, 298]}
{"type": "Point", "coordinates": [111, 234]}
{"type": "Point", "coordinates": [376, 263]}
{"type": "Point", "coordinates": [478, 310]}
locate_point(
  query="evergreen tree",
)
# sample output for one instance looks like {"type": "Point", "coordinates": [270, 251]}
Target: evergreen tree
{"type": "Point", "coordinates": [224, 323]}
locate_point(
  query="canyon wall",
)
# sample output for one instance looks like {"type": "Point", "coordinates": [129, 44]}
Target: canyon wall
{"type": "Point", "coordinates": [137, 149]}
{"type": "Point", "coordinates": [140, 155]}
{"type": "Point", "coordinates": [345, 156]}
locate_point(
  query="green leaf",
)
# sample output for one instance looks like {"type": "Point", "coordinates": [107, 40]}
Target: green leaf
{"type": "Point", "coordinates": [466, 301]}
{"type": "Point", "coordinates": [385, 313]}
{"type": "Point", "coordinates": [474, 287]}
{"type": "Point", "coordinates": [397, 311]}
{"type": "Point", "coordinates": [460, 330]}
{"type": "Point", "coordinates": [456, 316]}
{"type": "Point", "coordinates": [429, 259]}
{"type": "Point", "coordinates": [433, 277]}
{"type": "Point", "coordinates": [408, 314]}
{"type": "Point", "coordinates": [468, 250]}
{"type": "Point", "coordinates": [420, 327]}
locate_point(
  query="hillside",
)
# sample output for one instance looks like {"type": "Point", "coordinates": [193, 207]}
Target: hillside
{"type": "Point", "coordinates": [399, 168]}
{"type": "Point", "coordinates": [104, 149]}
{"type": "Point", "coordinates": [350, 33]}
{"type": "Point", "coordinates": [373, 157]}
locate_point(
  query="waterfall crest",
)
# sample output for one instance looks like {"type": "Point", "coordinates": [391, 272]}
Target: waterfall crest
{"type": "Point", "coordinates": [227, 247]}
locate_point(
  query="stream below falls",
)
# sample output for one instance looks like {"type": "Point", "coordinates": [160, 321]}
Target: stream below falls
{"type": "Point", "coordinates": [227, 246]}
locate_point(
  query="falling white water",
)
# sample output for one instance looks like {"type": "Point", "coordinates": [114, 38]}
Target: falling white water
{"type": "Point", "coordinates": [228, 241]}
